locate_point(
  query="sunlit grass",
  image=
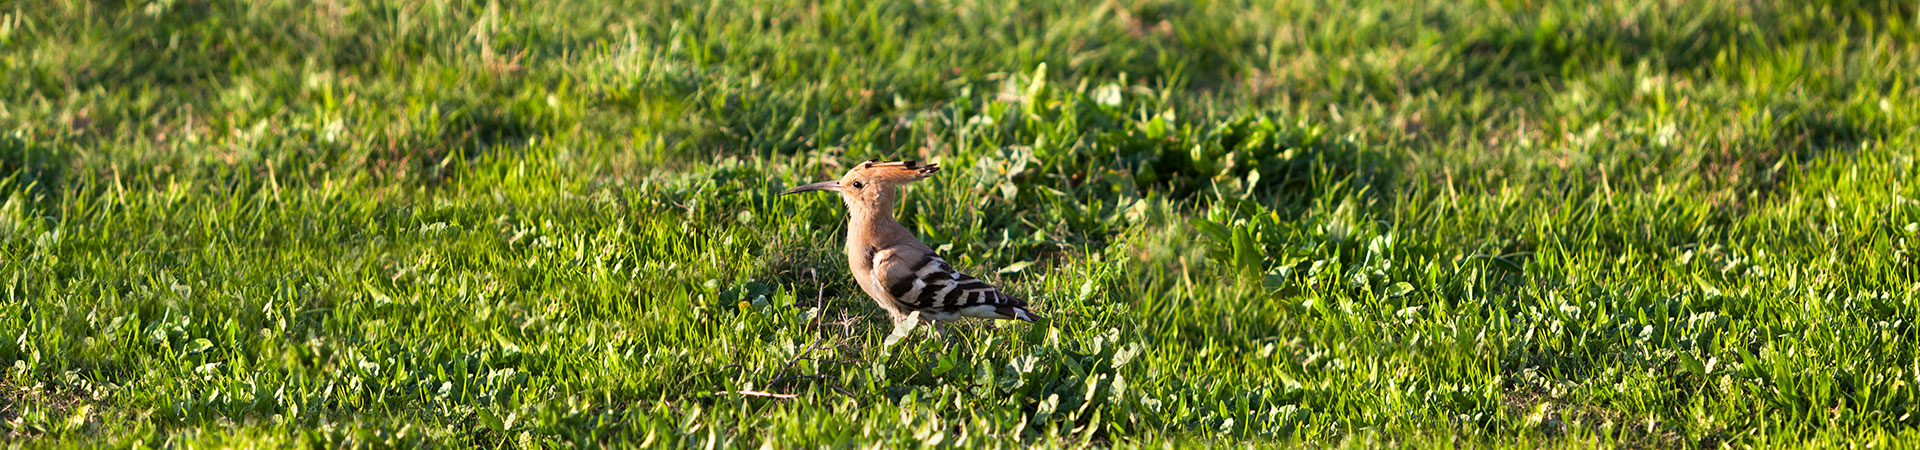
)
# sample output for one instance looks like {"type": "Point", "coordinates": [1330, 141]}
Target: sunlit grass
{"type": "Point", "coordinates": [1349, 224]}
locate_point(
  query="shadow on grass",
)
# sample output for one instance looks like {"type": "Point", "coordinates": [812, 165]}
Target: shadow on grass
{"type": "Point", "coordinates": [35, 168]}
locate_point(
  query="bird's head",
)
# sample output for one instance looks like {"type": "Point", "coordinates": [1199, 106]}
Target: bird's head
{"type": "Point", "coordinates": [872, 183]}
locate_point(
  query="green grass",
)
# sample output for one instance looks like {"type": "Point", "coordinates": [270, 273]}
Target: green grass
{"type": "Point", "coordinates": [473, 224]}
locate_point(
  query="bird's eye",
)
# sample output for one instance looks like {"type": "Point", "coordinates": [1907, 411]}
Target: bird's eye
{"type": "Point", "coordinates": [858, 185]}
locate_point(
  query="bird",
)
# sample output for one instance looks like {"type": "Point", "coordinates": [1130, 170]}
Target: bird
{"type": "Point", "coordinates": [893, 267]}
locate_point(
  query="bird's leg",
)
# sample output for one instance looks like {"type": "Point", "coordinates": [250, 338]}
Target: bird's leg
{"type": "Point", "coordinates": [948, 340]}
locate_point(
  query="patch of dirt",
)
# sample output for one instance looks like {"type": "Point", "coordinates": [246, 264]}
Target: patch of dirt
{"type": "Point", "coordinates": [57, 403]}
{"type": "Point", "coordinates": [1522, 397]}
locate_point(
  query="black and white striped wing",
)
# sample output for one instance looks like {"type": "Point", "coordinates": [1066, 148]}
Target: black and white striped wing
{"type": "Point", "coordinates": [926, 283]}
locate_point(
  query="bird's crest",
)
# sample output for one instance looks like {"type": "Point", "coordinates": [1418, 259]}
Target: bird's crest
{"type": "Point", "coordinates": [895, 172]}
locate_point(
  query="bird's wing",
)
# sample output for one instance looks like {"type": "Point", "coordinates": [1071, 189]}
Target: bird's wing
{"type": "Point", "coordinates": [922, 281]}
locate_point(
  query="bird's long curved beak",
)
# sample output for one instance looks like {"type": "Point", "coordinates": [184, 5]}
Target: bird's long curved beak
{"type": "Point", "coordinates": [821, 186]}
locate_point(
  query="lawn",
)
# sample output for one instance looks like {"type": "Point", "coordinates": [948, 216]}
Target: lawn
{"type": "Point", "coordinates": [378, 224]}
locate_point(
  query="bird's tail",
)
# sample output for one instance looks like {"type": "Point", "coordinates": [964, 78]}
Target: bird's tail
{"type": "Point", "coordinates": [1019, 313]}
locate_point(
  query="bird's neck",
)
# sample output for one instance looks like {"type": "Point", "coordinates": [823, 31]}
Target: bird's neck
{"type": "Point", "coordinates": [873, 224]}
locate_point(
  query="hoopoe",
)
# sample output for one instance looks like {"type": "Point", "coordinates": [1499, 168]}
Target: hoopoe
{"type": "Point", "coordinates": [896, 269]}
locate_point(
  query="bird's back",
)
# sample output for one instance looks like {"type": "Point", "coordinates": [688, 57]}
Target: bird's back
{"type": "Point", "coordinates": [913, 278]}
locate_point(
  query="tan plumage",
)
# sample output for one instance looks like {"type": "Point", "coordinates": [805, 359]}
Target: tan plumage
{"type": "Point", "coordinates": [896, 269]}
